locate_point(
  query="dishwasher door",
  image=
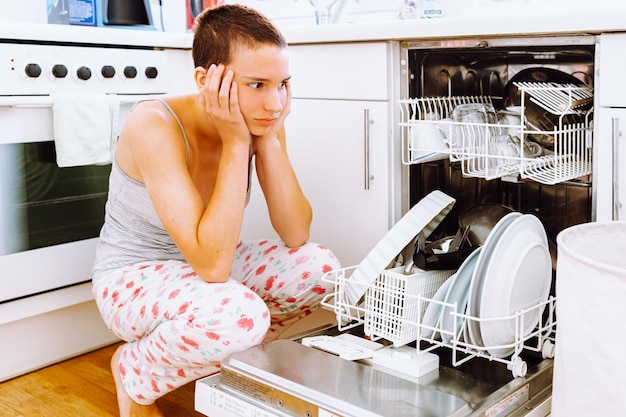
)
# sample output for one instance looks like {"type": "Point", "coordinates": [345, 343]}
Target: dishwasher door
{"type": "Point", "coordinates": [284, 378]}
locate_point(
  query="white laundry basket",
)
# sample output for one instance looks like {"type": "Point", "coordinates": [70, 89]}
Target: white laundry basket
{"type": "Point", "coordinates": [590, 357]}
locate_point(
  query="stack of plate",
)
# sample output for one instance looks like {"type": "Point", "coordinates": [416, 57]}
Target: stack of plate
{"type": "Point", "coordinates": [511, 272]}
{"type": "Point", "coordinates": [454, 291]}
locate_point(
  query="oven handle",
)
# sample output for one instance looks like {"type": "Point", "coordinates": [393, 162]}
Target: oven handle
{"type": "Point", "coordinates": [46, 100]}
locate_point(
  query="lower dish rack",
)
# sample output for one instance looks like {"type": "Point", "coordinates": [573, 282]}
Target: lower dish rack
{"type": "Point", "coordinates": [395, 306]}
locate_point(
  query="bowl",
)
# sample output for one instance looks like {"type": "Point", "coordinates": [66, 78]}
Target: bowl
{"type": "Point", "coordinates": [481, 219]}
{"type": "Point", "coordinates": [537, 118]}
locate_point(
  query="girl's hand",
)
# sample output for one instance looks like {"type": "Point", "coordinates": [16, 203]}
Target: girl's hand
{"type": "Point", "coordinates": [220, 98]}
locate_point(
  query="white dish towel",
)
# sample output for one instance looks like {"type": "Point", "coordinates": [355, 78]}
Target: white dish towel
{"type": "Point", "coordinates": [85, 127]}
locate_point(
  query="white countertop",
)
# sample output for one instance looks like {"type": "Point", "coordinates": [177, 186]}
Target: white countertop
{"type": "Point", "coordinates": [527, 18]}
{"type": "Point", "coordinates": [535, 19]}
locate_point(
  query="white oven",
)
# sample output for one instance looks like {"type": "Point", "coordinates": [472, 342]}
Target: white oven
{"type": "Point", "coordinates": [50, 216]}
{"type": "Point", "coordinates": [47, 212]}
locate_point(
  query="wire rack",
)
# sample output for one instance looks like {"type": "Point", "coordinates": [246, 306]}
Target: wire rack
{"type": "Point", "coordinates": [390, 308]}
{"type": "Point", "coordinates": [430, 133]}
{"type": "Point", "coordinates": [394, 307]}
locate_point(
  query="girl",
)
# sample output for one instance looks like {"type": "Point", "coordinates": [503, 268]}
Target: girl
{"type": "Point", "coordinates": [171, 277]}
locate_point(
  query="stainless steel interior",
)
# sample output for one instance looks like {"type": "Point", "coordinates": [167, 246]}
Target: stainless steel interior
{"type": "Point", "coordinates": [482, 68]}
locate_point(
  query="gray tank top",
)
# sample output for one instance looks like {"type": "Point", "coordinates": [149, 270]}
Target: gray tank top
{"type": "Point", "coordinates": [132, 230]}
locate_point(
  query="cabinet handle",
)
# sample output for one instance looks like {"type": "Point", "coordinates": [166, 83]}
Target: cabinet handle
{"type": "Point", "coordinates": [366, 140]}
{"type": "Point", "coordinates": [615, 134]}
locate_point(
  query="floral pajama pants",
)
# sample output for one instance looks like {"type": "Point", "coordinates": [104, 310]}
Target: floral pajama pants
{"type": "Point", "coordinates": [178, 327]}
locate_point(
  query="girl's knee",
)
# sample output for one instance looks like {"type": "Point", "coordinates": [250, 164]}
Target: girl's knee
{"type": "Point", "coordinates": [321, 256]}
{"type": "Point", "coordinates": [240, 320]}
{"type": "Point", "coordinates": [321, 260]}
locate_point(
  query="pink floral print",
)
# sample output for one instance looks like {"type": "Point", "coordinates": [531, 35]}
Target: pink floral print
{"type": "Point", "coordinates": [179, 328]}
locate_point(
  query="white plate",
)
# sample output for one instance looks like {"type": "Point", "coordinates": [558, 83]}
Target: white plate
{"type": "Point", "coordinates": [518, 277]}
{"type": "Point", "coordinates": [433, 311]}
{"type": "Point", "coordinates": [424, 216]}
{"type": "Point", "coordinates": [458, 293]}
{"type": "Point", "coordinates": [473, 301]}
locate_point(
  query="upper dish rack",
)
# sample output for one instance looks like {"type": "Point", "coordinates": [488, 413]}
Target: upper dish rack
{"type": "Point", "coordinates": [550, 134]}
{"type": "Point", "coordinates": [393, 309]}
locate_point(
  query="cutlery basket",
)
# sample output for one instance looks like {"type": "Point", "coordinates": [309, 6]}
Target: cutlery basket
{"type": "Point", "coordinates": [392, 303]}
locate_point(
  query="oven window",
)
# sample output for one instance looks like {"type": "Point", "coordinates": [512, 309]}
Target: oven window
{"type": "Point", "coordinates": [44, 205]}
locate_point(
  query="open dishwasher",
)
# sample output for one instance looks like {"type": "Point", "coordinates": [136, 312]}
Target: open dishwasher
{"type": "Point", "coordinates": [386, 357]}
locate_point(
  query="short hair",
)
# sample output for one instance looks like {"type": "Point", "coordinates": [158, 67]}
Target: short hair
{"type": "Point", "coordinates": [219, 30]}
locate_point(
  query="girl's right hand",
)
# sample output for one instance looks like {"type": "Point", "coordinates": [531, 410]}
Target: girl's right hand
{"type": "Point", "coordinates": [221, 101]}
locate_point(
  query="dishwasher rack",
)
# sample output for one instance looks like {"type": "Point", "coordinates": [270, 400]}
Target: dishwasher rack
{"type": "Point", "coordinates": [393, 310]}
{"type": "Point", "coordinates": [430, 133]}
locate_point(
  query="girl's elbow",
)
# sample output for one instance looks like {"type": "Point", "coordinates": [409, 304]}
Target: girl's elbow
{"type": "Point", "coordinates": [214, 274]}
{"type": "Point", "coordinates": [296, 241]}
{"type": "Point", "coordinates": [214, 278]}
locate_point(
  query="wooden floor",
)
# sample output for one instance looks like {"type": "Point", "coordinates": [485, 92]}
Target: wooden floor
{"type": "Point", "coordinates": [84, 387]}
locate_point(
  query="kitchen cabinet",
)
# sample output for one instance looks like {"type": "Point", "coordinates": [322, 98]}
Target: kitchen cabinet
{"type": "Point", "coordinates": [610, 116]}
{"type": "Point", "coordinates": [610, 86]}
{"type": "Point", "coordinates": [340, 126]}
{"type": "Point", "coordinates": [350, 205]}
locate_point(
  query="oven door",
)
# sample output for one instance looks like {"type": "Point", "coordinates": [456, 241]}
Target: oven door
{"type": "Point", "coordinates": [50, 217]}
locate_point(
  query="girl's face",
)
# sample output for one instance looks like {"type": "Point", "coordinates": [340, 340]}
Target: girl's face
{"type": "Point", "coordinates": [261, 75]}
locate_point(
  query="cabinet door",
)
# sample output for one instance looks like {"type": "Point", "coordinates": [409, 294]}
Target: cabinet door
{"type": "Point", "coordinates": [610, 87]}
{"type": "Point", "coordinates": [327, 145]}
{"type": "Point", "coordinates": [610, 163]}
{"type": "Point", "coordinates": [341, 71]}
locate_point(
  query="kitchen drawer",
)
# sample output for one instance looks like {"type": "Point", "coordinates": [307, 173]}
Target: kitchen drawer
{"type": "Point", "coordinates": [611, 89]}
{"type": "Point", "coordinates": [349, 71]}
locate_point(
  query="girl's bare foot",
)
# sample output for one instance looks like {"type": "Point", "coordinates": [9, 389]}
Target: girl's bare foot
{"type": "Point", "coordinates": [128, 407]}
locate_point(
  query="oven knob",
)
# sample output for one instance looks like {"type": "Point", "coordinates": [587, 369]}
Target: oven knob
{"type": "Point", "coordinates": [130, 72]}
{"type": "Point", "coordinates": [83, 73]}
{"type": "Point", "coordinates": [108, 71]}
{"type": "Point", "coordinates": [151, 72]}
{"type": "Point", "coordinates": [33, 70]}
{"type": "Point", "coordinates": [59, 71]}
